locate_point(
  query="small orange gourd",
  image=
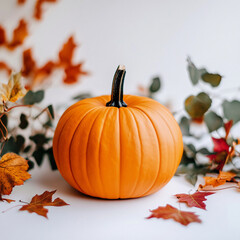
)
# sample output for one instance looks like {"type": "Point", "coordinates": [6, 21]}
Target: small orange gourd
{"type": "Point", "coordinates": [117, 146]}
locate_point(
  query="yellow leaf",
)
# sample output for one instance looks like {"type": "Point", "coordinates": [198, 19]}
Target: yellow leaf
{"type": "Point", "coordinates": [13, 90]}
{"type": "Point", "coordinates": [13, 171]}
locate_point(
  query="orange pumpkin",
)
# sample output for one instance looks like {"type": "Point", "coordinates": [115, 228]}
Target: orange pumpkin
{"type": "Point", "coordinates": [117, 149]}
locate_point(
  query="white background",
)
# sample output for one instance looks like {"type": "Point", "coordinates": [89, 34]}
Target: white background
{"type": "Point", "coordinates": [151, 38]}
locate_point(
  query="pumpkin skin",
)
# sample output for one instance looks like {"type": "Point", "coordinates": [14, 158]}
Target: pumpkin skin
{"type": "Point", "coordinates": [117, 152]}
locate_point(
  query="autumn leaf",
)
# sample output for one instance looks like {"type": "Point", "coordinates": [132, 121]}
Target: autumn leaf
{"type": "Point", "coordinates": [13, 90]}
{"type": "Point", "coordinates": [28, 63]}
{"type": "Point", "coordinates": [38, 10]}
{"type": "Point", "coordinates": [39, 202]}
{"type": "Point", "coordinates": [2, 36]}
{"type": "Point", "coordinates": [67, 51]}
{"type": "Point", "coordinates": [13, 171]}
{"type": "Point", "coordinates": [194, 200]}
{"type": "Point", "coordinates": [19, 35]}
{"type": "Point", "coordinates": [170, 212]}
{"type": "Point", "coordinates": [221, 179]}
{"type": "Point", "coordinates": [4, 66]}
{"type": "Point", "coordinates": [21, 2]}
{"type": "Point", "coordinates": [72, 73]}
{"type": "Point", "coordinates": [6, 199]}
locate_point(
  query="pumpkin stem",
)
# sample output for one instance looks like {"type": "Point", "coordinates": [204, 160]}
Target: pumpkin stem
{"type": "Point", "coordinates": [117, 88]}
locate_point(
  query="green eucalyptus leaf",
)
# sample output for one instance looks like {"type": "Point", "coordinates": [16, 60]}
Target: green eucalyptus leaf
{"type": "Point", "coordinates": [185, 126]}
{"type": "Point", "coordinates": [82, 96]}
{"type": "Point", "coordinates": [39, 139]}
{"type": "Point", "coordinates": [155, 85]}
{"type": "Point", "coordinates": [51, 111]}
{"type": "Point", "coordinates": [194, 73]}
{"type": "Point", "coordinates": [213, 79]}
{"type": "Point", "coordinates": [38, 155]}
{"type": "Point", "coordinates": [231, 110]}
{"type": "Point", "coordinates": [33, 97]}
{"type": "Point", "coordinates": [14, 144]}
{"type": "Point", "coordinates": [50, 155]}
{"type": "Point", "coordinates": [23, 121]}
{"type": "Point", "coordinates": [213, 121]}
{"type": "Point", "coordinates": [197, 106]}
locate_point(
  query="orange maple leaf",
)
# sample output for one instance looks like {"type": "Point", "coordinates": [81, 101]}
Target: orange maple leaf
{"type": "Point", "coordinates": [194, 200]}
{"type": "Point", "coordinates": [19, 35]}
{"type": "Point", "coordinates": [38, 203]}
{"type": "Point", "coordinates": [221, 179]}
{"type": "Point", "coordinates": [4, 66]}
{"type": "Point", "coordinates": [38, 8]}
{"type": "Point", "coordinates": [21, 2]}
{"type": "Point", "coordinates": [13, 171]}
{"type": "Point", "coordinates": [169, 211]}
{"type": "Point", "coordinates": [66, 53]}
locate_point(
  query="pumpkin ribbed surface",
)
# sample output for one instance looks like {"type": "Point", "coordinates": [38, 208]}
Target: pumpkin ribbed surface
{"type": "Point", "coordinates": [111, 152]}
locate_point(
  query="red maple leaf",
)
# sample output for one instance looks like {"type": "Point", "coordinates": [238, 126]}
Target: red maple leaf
{"type": "Point", "coordinates": [220, 145]}
{"type": "Point", "coordinates": [170, 212]}
{"type": "Point", "coordinates": [39, 202]}
{"type": "Point", "coordinates": [194, 200]}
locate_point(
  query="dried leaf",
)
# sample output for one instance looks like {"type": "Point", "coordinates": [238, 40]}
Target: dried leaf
{"type": "Point", "coordinates": [196, 106]}
{"type": "Point", "coordinates": [66, 53]}
{"type": "Point", "coordinates": [170, 212]}
{"type": "Point", "coordinates": [39, 202]}
{"type": "Point", "coordinates": [38, 11]}
{"type": "Point", "coordinates": [221, 179]}
{"type": "Point", "coordinates": [13, 90]}
{"type": "Point", "coordinates": [13, 171]}
{"type": "Point", "coordinates": [194, 200]}
{"type": "Point", "coordinates": [19, 35]}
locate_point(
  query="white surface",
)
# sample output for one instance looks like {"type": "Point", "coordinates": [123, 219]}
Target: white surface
{"type": "Point", "coordinates": [149, 37]}
{"type": "Point", "coordinates": [90, 218]}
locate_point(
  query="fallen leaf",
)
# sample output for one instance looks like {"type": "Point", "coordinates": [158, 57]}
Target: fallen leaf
{"type": "Point", "coordinates": [13, 171]}
{"type": "Point", "coordinates": [13, 90]}
{"type": "Point", "coordinates": [39, 202]}
{"type": "Point", "coordinates": [6, 199]}
{"type": "Point", "coordinates": [170, 212]}
{"type": "Point", "coordinates": [67, 51]}
{"type": "Point", "coordinates": [38, 10]}
{"type": "Point", "coordinates": [221, 179]}
{"type": "Point", "coordinates": [227, 127]}
{"type": "Point", "coordinates": [194, 200]}
{"type": "Point", "coordinates": [19, 35]}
